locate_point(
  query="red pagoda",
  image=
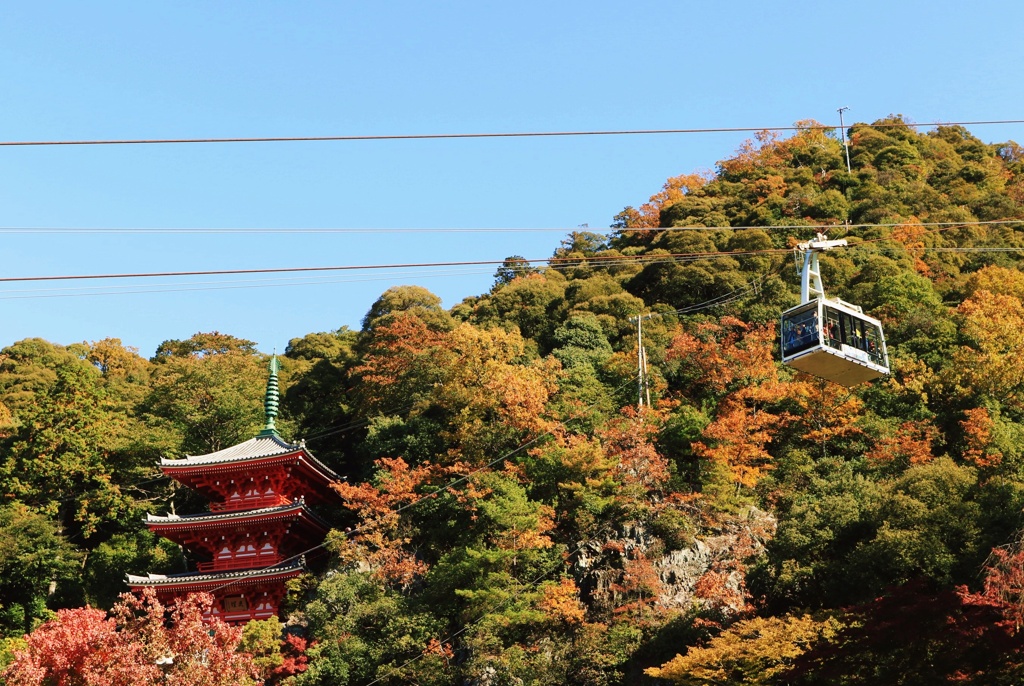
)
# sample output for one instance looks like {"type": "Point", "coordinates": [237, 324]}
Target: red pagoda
{"type": "Point", "coordinates": [252, 540]}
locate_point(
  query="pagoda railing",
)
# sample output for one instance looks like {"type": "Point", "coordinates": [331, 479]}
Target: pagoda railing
{"type": "Point", "coordinates": [250, 503]}
{"type": "Point", "coordinates": [235, 563]}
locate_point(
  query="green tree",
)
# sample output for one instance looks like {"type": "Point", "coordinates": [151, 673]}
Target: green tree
{"type": "Point", "coordinates": [34, 560]}
{"type": "Point", "coordinates": [318, 395]}
{"type": "Point", "coordinates": [526, 303]}
{"type": "Point", "coordinates": [28, 369]}
{"type": "Point", "coordinates": [211, 401]}
{"type": "Point", "coordinates": [67, 460]}
{"type": "Point", "coordinates": [514, 266]}
{"type": "Point", "coordinates": [412, 300]}
{"type": "Point", "coordinates": [363, 631]}
{"type": "Point", "coordinates": [204, 345]}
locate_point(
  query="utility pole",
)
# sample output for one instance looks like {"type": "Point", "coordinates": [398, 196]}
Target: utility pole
{"type": "Point", "coordinates": [643, 387]}
{"type": "Point", "coordinates": [842, 130]}
{"type": "Point", "coordinates": [639, 362]}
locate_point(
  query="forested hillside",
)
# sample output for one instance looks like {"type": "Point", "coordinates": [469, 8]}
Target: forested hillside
{"type": "Point", "coordinates": [512, 516]}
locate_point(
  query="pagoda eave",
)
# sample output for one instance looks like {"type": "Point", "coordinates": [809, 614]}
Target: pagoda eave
{"type": "Point", "coordinates": [260, 447]}
{"type": "Point", "coordinates": [239, 597]}
{"type": "Point", "coordinates": [241, 538]}
{"type": "Point", "coordinates": [208, 583]}
{"type": "Point", "coordinates": [230, 518]}
{"type": "Point", "coordinates": [203, 476]}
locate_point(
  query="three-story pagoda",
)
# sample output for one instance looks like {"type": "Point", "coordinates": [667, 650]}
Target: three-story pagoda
{"type": "Point", "coordinates": [252, 540]}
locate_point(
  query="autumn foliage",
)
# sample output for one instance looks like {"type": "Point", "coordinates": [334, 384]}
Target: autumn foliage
{"type": "Point", "coordinates": [735, 362]}
{"type": "Point", "coordinates": [140, 642]}
{"type": "Point", "coordinates": [380, 541]}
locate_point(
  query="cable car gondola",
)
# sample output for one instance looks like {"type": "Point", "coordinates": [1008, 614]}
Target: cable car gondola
{"type": "Point", "coordinates": [831, 339]}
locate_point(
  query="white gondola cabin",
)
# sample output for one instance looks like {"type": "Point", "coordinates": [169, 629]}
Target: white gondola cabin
{"type": "Point", "coordinates": [831, 339]}
{"type": "Point", "coordinates": [834, 341]}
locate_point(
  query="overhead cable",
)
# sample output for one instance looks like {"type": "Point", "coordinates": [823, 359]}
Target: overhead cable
{"type": "Point", "coordinates": [518, 134]}
{"type": "Point", "coordinates": [548, 229]}
{"type": "Point", "coordinates": [189, 286]}
{"type": "Point", "coordinates": [552, 262]}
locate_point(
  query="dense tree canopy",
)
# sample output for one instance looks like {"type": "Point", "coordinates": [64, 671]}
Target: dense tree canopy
{"type": "Point", "coordinates": [512, 515]}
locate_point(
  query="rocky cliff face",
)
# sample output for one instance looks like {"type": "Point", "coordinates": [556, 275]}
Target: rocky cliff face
{"type": "Point", "coordinates": [633, 562]}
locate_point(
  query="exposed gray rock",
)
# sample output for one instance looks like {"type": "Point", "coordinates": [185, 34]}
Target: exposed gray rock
{"type": "Point", "coordinates": [725, 551]}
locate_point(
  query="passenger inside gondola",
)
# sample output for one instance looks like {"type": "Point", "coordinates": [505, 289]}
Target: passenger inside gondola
{"type": "Point", "coordinates": [844, 329]}
{"type": "Point", "coordinates": [801, 331]}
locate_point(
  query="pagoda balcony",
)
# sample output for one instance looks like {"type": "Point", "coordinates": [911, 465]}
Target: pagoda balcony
{"type": "Point", "coordinates": [235, 563]}
{"type": "Point", "coordinates": [250, 502]}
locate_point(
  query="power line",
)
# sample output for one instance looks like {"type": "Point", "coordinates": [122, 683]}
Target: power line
{"type": "Point", "coordinates": [113, 289]}
{"type": "Point", "coordinates": [354, 424]}
{"type": "Point", "coordinates": [425, 230]}
{"type": "Point", "coordinates": [231, 272]}
{"type": "Point", "coordinates": [274, 230]}
{"type": "Point", "coordinates": [188, 287]}
{"type": "Point", "coordinates": [724, 299]}
{"type": "Point", "coordinates": [519, 134]}
{"type": "Point", "coordinates": [552, 262]}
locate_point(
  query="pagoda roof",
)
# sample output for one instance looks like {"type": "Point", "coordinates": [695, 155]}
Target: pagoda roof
{"type": "Point", "coordinates": [163, 580]}
{"type": "Point", "coordinates": [262, 446]}
{"type": "Point", "coordinates": [297, 507]}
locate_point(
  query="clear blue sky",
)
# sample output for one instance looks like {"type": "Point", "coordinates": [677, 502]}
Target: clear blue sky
{"type": "Point", "coordinates": [73, 70]}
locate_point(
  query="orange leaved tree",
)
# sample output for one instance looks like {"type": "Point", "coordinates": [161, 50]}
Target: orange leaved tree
{"type": "Point", "coordinates": [141, 642]}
